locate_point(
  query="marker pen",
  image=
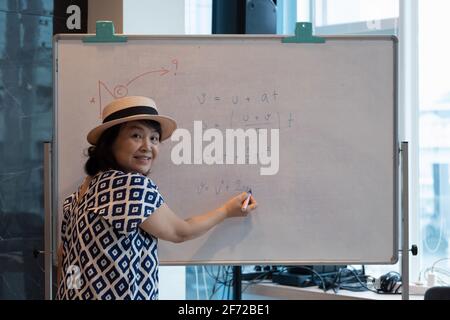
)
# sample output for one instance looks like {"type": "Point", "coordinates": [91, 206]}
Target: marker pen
{"type": "Point", "coordinates": [245, 205]}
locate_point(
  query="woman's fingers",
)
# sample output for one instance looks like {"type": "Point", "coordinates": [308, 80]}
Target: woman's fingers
{"type": "Point", "coordinates": [252, 204]}
{"type": "Point", "coordinates": [235, 206]}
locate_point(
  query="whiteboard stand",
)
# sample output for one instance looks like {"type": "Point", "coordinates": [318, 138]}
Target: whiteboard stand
{"type": "Point", "coordinates": [405, 223]}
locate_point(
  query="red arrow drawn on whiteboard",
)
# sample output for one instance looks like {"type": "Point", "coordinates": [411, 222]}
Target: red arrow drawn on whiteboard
{"type": "Point", "coordinates": [121, 90]}
{"type": "Point", "coordinates": [162, 72]}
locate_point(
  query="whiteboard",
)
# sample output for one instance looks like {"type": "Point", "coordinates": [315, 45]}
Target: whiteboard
{"type": "Point", "coordinates": [334, 196]}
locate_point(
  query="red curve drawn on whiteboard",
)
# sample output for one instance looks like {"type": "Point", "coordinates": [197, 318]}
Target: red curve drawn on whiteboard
{"type": "Point", "coordinates": [163, 71]}
{"type": "Point", "coordinates": [121, 90]}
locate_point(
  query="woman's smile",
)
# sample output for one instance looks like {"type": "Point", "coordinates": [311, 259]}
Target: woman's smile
{"type": "Point", "coordinates": [143, 159]}
{"type": "Point", "coordinates": [136, 147]}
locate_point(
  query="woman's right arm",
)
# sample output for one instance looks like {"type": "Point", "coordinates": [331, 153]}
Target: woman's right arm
{"type": "Point", "coordinates": [166, 225]}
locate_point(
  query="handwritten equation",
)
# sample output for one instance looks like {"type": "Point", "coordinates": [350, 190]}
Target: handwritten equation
{"type": "Point", "coordinates": [220, 187]}
{"type": "Point", "coordinates": [263, 98]}
{"type": "Point", "coordinates": [261, 120]}
{"type": "Point", "coordinates": [255, 120]}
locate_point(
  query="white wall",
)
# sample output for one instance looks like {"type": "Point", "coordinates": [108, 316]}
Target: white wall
{"type": "Point", "coordinates": [172, 283]}
{"type": "Point", "coordinates": [105, 10]}
{"type": "Point", "coordinates": [153, 16]}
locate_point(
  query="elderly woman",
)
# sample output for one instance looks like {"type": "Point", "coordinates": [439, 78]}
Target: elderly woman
{"type": "Point", "coordinates": [112, 224]}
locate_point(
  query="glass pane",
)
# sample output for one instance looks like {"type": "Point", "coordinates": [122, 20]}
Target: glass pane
{"type": "Point", "coordinates": [25, 123]}
{"type": "Point", "coordinates": [329, 12]}
{"type": "Point", "coordinates": [434, 156]}
{"type": "Point", "coordinates": [198, 16]}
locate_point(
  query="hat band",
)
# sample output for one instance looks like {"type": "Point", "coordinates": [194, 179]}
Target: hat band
{"type": "Point", "coordinates": [132, 111]}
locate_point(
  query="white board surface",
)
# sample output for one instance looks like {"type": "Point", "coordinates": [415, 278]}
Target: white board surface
{"type": "Point", "coordinates": [334, 197]}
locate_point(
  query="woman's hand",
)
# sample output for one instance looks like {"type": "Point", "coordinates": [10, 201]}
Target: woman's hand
{"type": "Point", "coordinates": [233, 207]}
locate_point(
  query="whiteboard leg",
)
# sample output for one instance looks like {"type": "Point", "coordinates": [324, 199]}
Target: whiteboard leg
{"type": "Point", "coordinates": [48, 225]}
{"type": "Point", "coordinates": [404, 222]}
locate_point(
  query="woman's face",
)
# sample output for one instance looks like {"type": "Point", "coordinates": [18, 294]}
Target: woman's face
{"type": "Point", "coordinates": [136, 147]}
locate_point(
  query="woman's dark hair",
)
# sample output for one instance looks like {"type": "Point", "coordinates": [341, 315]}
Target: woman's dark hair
{"type": "Point", "coordinates": [101, 156]}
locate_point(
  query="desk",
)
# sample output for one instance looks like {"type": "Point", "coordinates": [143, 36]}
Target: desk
{"type": "Point", "coordinates": [275, 291]}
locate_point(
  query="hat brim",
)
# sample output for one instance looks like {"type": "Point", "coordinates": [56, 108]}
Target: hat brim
{"type": "Point", "coordinates": [168, 126]}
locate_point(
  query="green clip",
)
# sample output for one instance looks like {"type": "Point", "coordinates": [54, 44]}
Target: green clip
{"type": "Point", "coordinates": [303, 34]}
{"type": "Point", "coordinates": [104, 33]}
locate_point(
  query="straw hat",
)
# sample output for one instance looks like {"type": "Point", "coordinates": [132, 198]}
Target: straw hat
{"type": "Point", "coordinates": [131, 109]}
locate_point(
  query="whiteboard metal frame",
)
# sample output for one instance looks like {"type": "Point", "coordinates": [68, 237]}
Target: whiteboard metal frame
{"type": "Point", "coordinates": [395, 151]}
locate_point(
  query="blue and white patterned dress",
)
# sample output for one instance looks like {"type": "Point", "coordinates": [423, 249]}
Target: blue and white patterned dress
{"type": "Point", "coordinates": [106, 255]}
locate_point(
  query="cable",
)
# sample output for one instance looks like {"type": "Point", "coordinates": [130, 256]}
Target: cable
{"type": "Point", "coordinates": [442, 276]}
{"type": "Point", "coordinates": [364, 285]}
{"type": "Point", "coordinates": [260, 278]}
{"type": "Point", "coordinates": [196, 283]}
{"type": "Point", "coordinates": [223, 279]}
{"type": "Point", "coordinates": [436, 271]}
{"type": "Point", "coordinates": [215, 283]}
{"type": "Point", "coordinates": [204, 281]}
{"type": "Point", "coordinates": [226, 281]}
{"type": "Point", "coordinates": [436, 262]}
{"type": "Point", "coordinates": [217, 279]}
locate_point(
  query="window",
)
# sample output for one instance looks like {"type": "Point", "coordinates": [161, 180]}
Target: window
{"type": "Point", "coordinates": [332, 12]}
{"type": "Point", "coordinates": [434, 142]}
{"type": "Point", "coordinates": [198, 19]}
{"type": "Point", "coordinates": [339, 17]}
